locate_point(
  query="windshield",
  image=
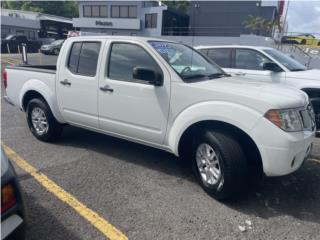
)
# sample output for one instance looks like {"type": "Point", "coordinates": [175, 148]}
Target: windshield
{"type": "Point", "coordinates": [57, 42]}
{"type": "Point", "coordinates": [187, 62]}
{"type": "Point", "coordinates": [285, 60]}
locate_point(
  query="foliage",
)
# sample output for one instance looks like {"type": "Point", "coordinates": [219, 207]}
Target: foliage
{"type": "Point", "coordinates": [60, 8]}
{"type": "Point", "coordinates": [260, 25]}
{"type": "Point", "coordinates": [181, 6]}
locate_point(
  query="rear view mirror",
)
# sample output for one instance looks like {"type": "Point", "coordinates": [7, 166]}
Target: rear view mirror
{"type": "Point", "coordinates": [149, 75]}
{"type": "Point", "coordinates": [270, 66]}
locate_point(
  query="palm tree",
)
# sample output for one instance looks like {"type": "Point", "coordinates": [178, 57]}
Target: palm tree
{"type": "Point", "coordinates": [261, 25]}
{"type": "Point", "coordinates": [254, 23]}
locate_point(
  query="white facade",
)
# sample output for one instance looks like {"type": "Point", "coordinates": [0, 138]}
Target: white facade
{"type": "Point", "coordinates": [102, 18]}
{"type": "Point", "coordinates": [25, 22]}
{"type": "Point", "coordinates": [20, 23]}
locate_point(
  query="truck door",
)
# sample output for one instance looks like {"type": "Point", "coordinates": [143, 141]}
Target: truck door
{"type": "Point", "coordinates": [129, 106]}
{"type": "Point", "coordinates": [77, 84]}
{"type": "Point", "coordinates": [248, 63]}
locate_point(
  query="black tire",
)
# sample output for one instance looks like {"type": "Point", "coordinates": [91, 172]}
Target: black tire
{"type": "Point", "coordinates": [233, 165]}
{"type": "Point", "coordinates": [54, 129]}
{"type": "Point", "coordinates": [303, 42]}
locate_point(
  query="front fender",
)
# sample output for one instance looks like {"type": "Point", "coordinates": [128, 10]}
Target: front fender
{"type": "Point", "coordinates": [46, 92]}
{"type": "Point", "coordinates": [237, 115]}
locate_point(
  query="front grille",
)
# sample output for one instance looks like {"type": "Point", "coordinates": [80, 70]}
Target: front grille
{"type": "Point", "coordinates": [308, 118]}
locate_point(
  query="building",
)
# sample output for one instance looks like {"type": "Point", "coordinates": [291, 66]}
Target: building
{"type": "Point", "coordinates": [33, 25]}
{"type": "Point", "coordinates": [153, 18]}
{"type": "Point", "coordinates": [226, 18]}
{"type": "Point", "coordinates": [145, 18]}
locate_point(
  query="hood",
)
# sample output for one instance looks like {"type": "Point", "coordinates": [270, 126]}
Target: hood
{"type": "Point", "coordinates": [312, 74]}
{"type": "Point", "coordinates": [261, 96]}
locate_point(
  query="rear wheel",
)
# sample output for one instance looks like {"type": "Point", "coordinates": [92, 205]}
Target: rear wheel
{"type": "Point", "coordinates": [303, 42]}
{"type": "Point", "coordinates": [219, 164]}
{"type": "Point", "coordinates": [41, 121]}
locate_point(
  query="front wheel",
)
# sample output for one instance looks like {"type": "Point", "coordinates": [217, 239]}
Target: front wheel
{"type": "Point", "coordinates": [41, 121]}
{"type": "Point", "coordinates": [220, 164]}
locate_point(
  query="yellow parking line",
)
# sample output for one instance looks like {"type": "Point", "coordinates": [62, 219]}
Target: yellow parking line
{"type": "Point", "coordinates": [314, 160]}
{"type": "Point", "coordinates": [98, 222]}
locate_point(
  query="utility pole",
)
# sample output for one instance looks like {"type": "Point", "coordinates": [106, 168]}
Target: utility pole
{"type": "Point", "coordinates": [285, 16]}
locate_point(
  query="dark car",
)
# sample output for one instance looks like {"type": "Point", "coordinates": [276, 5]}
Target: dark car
{"type": "Point", "coordinates": [16, 39]}
{"type": "Point", "coordinates": [12, 44]}
{"type": "Point", "coordinates": [12, 208]}
{"type": "Point", "coordinates": [52, 48]}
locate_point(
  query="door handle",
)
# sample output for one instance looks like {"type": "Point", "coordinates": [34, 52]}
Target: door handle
{"type": "Point", "coordinates": [106, 88]}
{"type": "Point", "coordinates": [65, 82]}
{"type": "Point", "coordinates": [240, 74]}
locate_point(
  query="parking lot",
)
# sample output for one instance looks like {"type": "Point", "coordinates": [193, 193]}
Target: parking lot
{"type": "Point", "coordinates": [146, 193]}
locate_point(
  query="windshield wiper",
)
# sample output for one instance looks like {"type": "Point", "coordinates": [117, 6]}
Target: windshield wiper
{"type": "Point", "coordinates": [203, 76]}
{"type": "Point", "coordinates": [298, 70]}
{"type": "Point", "coordinates": [195, 76]}
{"type": "Point", "coordinates": [218, 75]}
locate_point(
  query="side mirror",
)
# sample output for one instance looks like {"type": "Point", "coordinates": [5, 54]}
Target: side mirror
{"type": "Point", "coordinates": [149, 75]}
{"type": "Point", "coordinates": [270, 66]}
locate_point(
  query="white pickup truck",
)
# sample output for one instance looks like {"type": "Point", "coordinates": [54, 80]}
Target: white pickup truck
{"type": "Point", "coordinates": [268, 64]}
{"type": "Point", "coordinates": [169, 96]}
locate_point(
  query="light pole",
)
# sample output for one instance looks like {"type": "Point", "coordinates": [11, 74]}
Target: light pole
{"type": "Point", "coordinates": [285, 16]}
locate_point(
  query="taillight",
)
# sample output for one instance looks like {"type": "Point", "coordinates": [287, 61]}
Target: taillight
{"type": "Point", "coordinates": [8, 199]}
{"type": "Point", "coordinates": [5, 80]}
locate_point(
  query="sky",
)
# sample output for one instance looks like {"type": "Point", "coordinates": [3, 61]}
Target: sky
{"type": "Point", "coordinates": [304, 16]}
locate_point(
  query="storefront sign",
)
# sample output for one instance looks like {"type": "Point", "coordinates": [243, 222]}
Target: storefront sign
{"type": "Point", "coordinates": [101, 23]}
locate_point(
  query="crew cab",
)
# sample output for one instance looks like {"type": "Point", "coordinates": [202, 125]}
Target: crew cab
{"type": "Point", "coordinates": [169, 96]}
{"type": "Point", "coordinates": [268, 64]}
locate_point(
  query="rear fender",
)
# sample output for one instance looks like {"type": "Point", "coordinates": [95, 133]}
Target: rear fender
{"type": "Point", "coordinates": [47, 94]}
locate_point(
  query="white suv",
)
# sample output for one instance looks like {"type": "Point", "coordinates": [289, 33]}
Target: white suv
{"type": "Point", "coordinates": [267, 64]}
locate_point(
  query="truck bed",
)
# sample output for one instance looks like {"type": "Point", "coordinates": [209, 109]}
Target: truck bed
{"type": "Point", "coordinates": [34, 68]}
{"type": "Point", "coordinates": [21, 78]}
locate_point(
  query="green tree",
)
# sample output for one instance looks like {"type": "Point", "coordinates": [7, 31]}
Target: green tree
{"type": "Point", "coordinates": [59, 8]}
{"type": "Point", "coordinates": [260, 25]}
{"type": "Point", "coordinates": [181, 6]}
{"type": "Point", "coordinates": [254, 23]}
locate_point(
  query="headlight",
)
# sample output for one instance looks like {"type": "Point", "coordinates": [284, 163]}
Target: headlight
{"type": "Point", "coordinates": [288, 119]}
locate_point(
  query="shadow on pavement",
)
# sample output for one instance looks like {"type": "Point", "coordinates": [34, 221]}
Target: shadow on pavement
{"type": "Point", "coordinates": [41, 224]}
{"type": "Point", "coordinates": [126, 151]}
{"type": "Point", "coordinates": [296, 195]}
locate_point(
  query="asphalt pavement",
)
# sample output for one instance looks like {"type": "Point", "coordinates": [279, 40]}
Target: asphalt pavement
{"type": "Point", "coordinates": [147, 193]}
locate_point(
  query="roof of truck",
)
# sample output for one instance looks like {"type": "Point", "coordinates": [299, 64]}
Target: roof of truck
{"type": "Point", "coordinates": [232, 46]}
{"type": "Point", "coordinates": [145, 39]}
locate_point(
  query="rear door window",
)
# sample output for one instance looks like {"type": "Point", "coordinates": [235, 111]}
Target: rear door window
{"type": "Point", "coordinates": [83, 58]}
{"type": "Point", "coordinates": [88, 59]}
{"type": "Point", "coordinates": [221, 56]}
{"type": "Point", "coordinates": [74, 57]}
